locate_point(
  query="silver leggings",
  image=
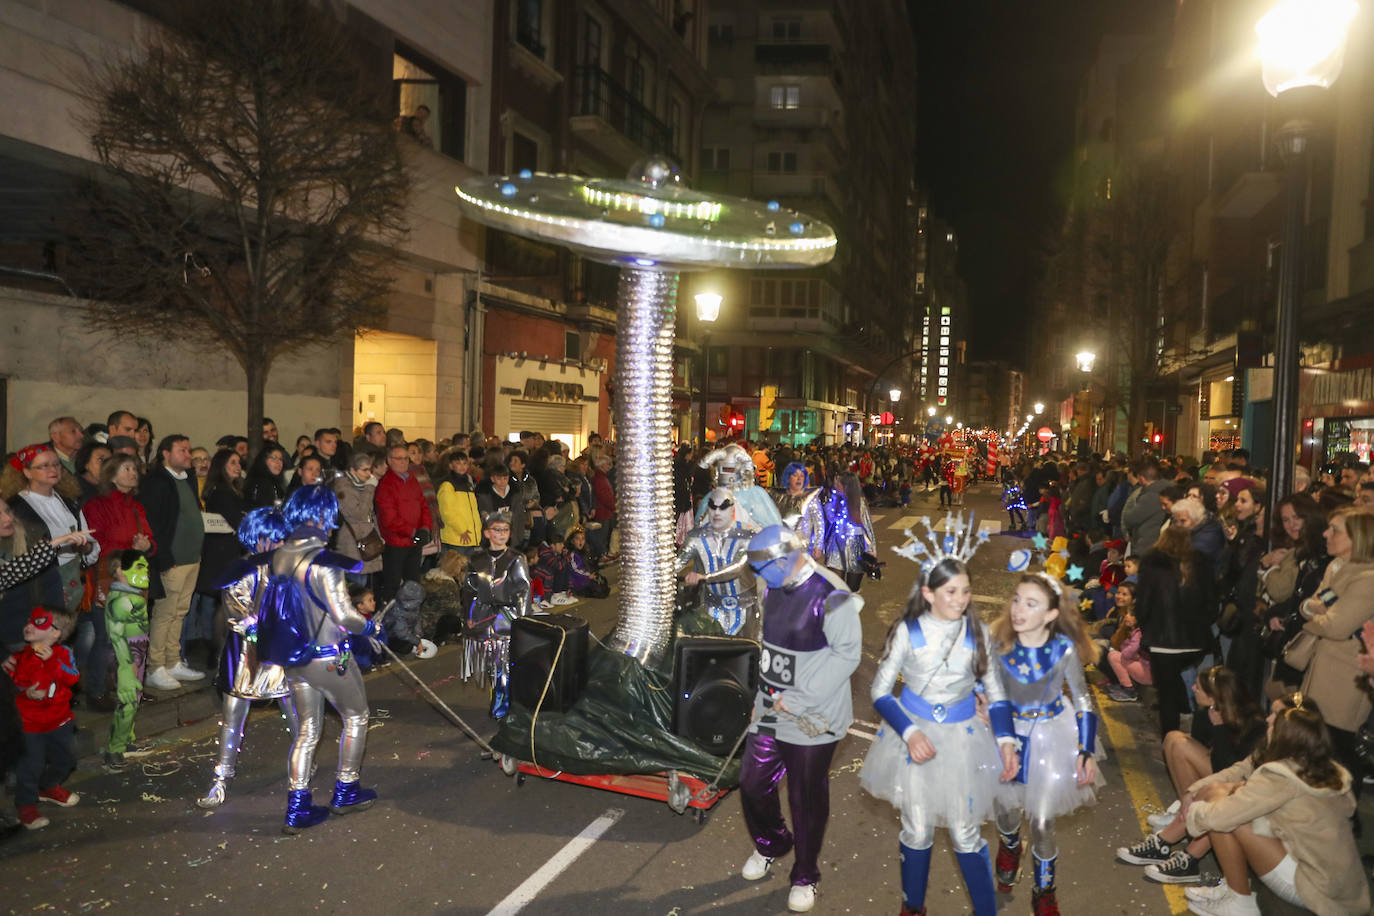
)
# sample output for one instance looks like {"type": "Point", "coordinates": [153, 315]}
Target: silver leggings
{"type": "Point", "coordinates": [920, 834]}
{"type": "Point", "coordinates": [232, 719]}
{"type": "Point", "coordinates": [311, 685]}
{"type": "Point", "coordinates": [1043, 844]}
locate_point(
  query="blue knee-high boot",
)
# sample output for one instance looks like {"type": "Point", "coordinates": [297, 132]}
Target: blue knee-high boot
{"type": "Point", "coordinates": [915, 876]}
{"type": "Point", "coordinates": [300, 813]}
{"type": "Point", "coordinates": [977, 869]}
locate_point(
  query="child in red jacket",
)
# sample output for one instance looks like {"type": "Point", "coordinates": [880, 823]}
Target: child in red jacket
{"type": "Point", "coordinates": [43, 675]}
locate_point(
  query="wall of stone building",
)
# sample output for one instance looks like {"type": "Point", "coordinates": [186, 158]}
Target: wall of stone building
{"type": "Point", "coordinates": [56, 365]}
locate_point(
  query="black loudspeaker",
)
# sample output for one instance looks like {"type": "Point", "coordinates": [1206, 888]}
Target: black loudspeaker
{"type": "Point", "coordinates": [714, 682]}
{"type": "Point", "coordinates": [534, 651]}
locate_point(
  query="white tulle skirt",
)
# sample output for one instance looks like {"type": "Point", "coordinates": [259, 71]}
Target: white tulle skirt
{"type": "Point", "coordinates": [958, 786]}
{"type": "Point", "coordinates": [1051, 786]}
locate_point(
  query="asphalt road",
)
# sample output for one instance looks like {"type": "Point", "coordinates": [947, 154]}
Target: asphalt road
{"type": "Point", "coordinates": [452, 834]}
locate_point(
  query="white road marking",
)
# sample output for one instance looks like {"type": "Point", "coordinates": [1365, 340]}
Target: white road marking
{"type": "Point", "coordinates": [864, 735]}
{"type": "Point", "coordinates": [526, 892]}
{"type": "Point", "coordinates": [990, 526]}
{"type": "Point", "coordinates": [906, 521]}
{"type": "Point", "coordinates": [988, 599]}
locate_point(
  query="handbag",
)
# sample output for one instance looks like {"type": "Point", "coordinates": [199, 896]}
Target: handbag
{"type": "Point", "coordinates": [370, 545]}
{"type": "Point", "coordinates": [1300, 649]}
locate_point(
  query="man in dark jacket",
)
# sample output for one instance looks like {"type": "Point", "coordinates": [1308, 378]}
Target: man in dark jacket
{"type": "Point", "coordinates": [1143, 514]}
{"type": "Point", "coordinates": [168, 494]}
{"type": "Point", "coordinates": [1079, 507]}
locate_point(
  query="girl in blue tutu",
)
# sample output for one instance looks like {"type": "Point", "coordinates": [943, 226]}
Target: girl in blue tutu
{"type": "Point", "coordinates": [936, 759]}
{"type": "Point", "coordinates": [1039, 650]}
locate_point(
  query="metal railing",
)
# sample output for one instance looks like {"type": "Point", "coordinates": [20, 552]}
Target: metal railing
{"type": "Point", "coordinates": [600, 95]}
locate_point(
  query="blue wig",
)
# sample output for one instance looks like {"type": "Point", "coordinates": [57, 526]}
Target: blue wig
{"type": "Point", "coordinates": [312, 505]}
{"type": "Point", "coordinates": [258, 525]}
{"type": "Point", "coordinates": [791, 469]}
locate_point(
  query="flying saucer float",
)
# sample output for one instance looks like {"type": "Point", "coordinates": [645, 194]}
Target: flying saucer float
{"type": "Point", "coordinates": [653, 227]}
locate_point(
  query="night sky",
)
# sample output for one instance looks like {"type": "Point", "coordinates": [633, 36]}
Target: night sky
{"type": "Point", "coordinates": [997, 85]}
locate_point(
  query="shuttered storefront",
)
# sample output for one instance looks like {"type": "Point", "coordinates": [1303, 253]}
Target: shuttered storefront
{"type": "Point", "coordinates": [553, 420]}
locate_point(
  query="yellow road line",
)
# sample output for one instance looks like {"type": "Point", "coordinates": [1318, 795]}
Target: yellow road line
{"type": "Point", "coordinates": [1139, 785]}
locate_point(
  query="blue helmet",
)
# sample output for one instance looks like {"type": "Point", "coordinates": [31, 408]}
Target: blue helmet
{"type": "Point", "coordinates": [773, 551]}
{"type": "Point", "coordinates": [312, 505]}
{"type": "Point", "coordinates": [258, 525]}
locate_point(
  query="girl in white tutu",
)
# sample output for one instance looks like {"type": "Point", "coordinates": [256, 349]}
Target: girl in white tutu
{"type": "Point", "coordinates": [936, 759]}
{"type": "Point", "coordinates": [1039, 650]}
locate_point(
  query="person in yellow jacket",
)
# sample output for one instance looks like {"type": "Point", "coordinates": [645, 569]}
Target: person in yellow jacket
{"type": "Point", "coordinates": [462, 529]}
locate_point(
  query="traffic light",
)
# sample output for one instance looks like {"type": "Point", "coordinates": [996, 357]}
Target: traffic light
{"type": "Point", "coordinates": [736, 421]}
{"type": "Point", "coordinates": [1157, 438]}
{"type": "Point", "coordinates": [726, 411]}
{"type": "Point", "coordinates": [1149, 432]}
{"type": "Point", "coordinates": [768, 394]}
{"type": "Point", "coordinates": [1082, 416]}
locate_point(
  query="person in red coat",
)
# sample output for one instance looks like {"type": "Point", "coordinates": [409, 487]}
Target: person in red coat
{"type": "Point", "coordinates": [404, 521]}
{"type": "Point", "coordinates": [604, 493]}
{"type": "Point", "coordinates": [43, 675]}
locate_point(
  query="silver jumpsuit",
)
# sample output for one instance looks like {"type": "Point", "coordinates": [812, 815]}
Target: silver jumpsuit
{"type": "Point", "coordinates": [722, 558]}
{"type": "Point", "coordinates": [335, 677]}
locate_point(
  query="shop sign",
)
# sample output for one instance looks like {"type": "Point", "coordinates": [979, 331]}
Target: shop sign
{"type": "Point", "coordinates": [1336, 387]}
{"type": "Point", "coordinates": [538, 389]}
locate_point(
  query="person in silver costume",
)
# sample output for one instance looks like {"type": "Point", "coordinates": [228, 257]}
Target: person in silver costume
{"type": "Point", "coordinates": [733, 469]}
{"type": "Point", "coordinates": [799, 504]}
{"type": "Point", "coordinates": [716, 555]}
{"type": "Point", "coordinates": [501, 580]}
{"type": "Point", "coordinates": [260, 531]}
{"type": "Point", "coordinates": [304, 625]}
{"type": "Point", "coordinates": [848, 530]}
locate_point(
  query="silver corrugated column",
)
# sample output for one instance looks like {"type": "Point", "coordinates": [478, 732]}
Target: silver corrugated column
{"type": "Point", "coordinates": [644, 461]}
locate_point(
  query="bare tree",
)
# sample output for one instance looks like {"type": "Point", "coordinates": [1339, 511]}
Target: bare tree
{"type": "Point", "coordinates": [253, 191]}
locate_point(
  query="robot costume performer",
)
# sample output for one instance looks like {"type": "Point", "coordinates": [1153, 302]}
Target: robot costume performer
{"type": "Point", "coordinates": [719, 552]}
{"type": "Point", "coordinates": [305, 620]}
{"type": "Point", "coordinates": [734, 470]}
{"type": "Point", "coordinates": [501, 581]}
{"type": "Point", "coordinates": [1053, 736]}
{"type": "Point", "coordinates": [957, 788]}
{"type": "Point", "coordinates": [812, 643]}
{"type": "Point", "coordinates": [801, 510]}
{"type": "Point", "coordinates": [243, 588]}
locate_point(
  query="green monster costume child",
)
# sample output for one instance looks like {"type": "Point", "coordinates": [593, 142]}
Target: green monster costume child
{"type": "Point", "coordinates": [126, 622]}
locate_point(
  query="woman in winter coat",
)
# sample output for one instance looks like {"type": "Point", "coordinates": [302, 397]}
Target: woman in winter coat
{"type": "Point", "coordinates": [1285, 813]}
{"type": "Point", "coordinates": [1335, 614]}
{"type": "Point", "coordinates": [263, 487]}
{"type": "Point", "coordinates": [1175, 605]}
{"type": "Point", "coordinates": [357, 514]}
{"type": "Point", "coordinates": [1239, 585]}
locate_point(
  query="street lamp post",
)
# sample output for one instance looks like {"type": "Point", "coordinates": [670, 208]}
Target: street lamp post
{"type": "Point", "coordinates": [708, 310]}
{"type": "Point", "coordinates": [1301, 47]}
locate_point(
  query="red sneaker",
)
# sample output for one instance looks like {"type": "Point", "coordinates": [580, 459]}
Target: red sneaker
{"type": "Point", "coordinates": [908, 911]}
{"type": "Point", "coordinates": [1008, 867]}
{"type": "Point", "coordinates": [1043, 903]}
{"type": "Point", "coordinates": [59, 796]}
{"type": "Point", "coordinates": [31, 819]}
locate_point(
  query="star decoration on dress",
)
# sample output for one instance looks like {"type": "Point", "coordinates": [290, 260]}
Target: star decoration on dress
{"type": "Point", "coordinates": [1075, 573]}
{"type": "Point", "coordinates": [969, 729]}
{"type": "Point", "coordinates": [1040, 542]}
{"type": "Point", "coordinates": [1024, 668]}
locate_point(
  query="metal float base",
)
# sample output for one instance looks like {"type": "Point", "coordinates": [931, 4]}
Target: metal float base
{"type": "Point", "coordinates": [680, 792]}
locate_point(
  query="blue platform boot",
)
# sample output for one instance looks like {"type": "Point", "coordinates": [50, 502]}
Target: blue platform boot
{"type": "Point", "coordinates": [977, 869]}
{"type": "Point", "coordinates": [915, 877]}
{"type": "Point", "coordinates": [348, 798]}
{"type": "Point", "coordinates": [300, 814]}
{"type": "Point", "coordinates": [1043, 902]}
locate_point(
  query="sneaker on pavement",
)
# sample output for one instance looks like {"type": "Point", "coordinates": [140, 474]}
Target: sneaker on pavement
{"type": "Point", "coordinates": [1227, 903]}
{"type": "Point", "coordinates": [1207, 892]}
{"type": "Point", "coordinates": [162, 679]}
{"type": "Point", "coordinates": [1180, 868]}
{"type": "Point", "coordinates": [184, 672]}
{"type": "Point", "coordinates": [58, 796]}
{"type": "Point", "coordinates": [563, 598]}
{"type": "Point", "coordinates": [1164, 818]}
{"type": "Point", "coordinates": [545, 604]}
{"type": "Point", "coordinates": [31, 819]}
{"type": "Point", "coordinates": [1118, 694]}
{"type": "Point", "coordinates": [801, 898]}
{"type": "Point", "coordinates": [755, 867]}
{"type": "Point", "coordinates": [114, 763]}
{"type": "Point", "coordinates": [1150, 851]}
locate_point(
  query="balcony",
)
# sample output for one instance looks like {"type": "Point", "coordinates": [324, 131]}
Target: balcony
{"type": "Point", "coordinates": [799, 187]}
{"type": "Point", "coordinates": [611, 119]}
{"type": "Point", "coordinates": [795, 58]}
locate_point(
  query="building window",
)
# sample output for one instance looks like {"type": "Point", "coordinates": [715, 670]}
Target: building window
{"type": "Point", "coordinates": [715, 159]}
{"type": "Point", "coordinates": [787, 29]}
{"type": "Point", "coordinates": [572, 345]}
{"type": "Point", "coordinates": [524, 153]}
{"type": "Point", "coordinates": [720, 33]}
{"type": "Point", "coordinates": [529, 26]}
{"type": "Point", "coordinates": [591, 42]}
{"type": "Point", "coordinates": [431, 103]}
{"type": "Point", "coordinates": [719, 357]}
{"type": "Point", "coordinates": [782, 162]}
{"type": "Point", "coordinates": [784, 97]}
{"type": "Point", "coordinates": [675, 125]}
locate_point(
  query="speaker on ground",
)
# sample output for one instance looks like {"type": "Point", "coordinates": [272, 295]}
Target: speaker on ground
{"type": "Point", "coordinates": [714, 682]}
{"type": "Point", "coordinates": [534, 646]}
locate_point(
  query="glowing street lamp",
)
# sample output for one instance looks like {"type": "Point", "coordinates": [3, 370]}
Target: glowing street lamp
{"type": "Point", "coordinates": [894, 395]}
{"type": "Point", "coordinates": [930, 411]}
{"type": "Point", "coordinates": [948, 420]}
{"type": "Point", "coordinates": [1085, 360]}
{"type": "Point", "coordinates": [1039, 407]}
{"type": "Point", "coordinates": [1301, 47]}
{"type": "Point", "coordinates": [708, 310]}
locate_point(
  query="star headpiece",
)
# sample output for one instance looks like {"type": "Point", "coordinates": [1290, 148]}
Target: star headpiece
{"type": "Point", "coordinates": [960, 542]}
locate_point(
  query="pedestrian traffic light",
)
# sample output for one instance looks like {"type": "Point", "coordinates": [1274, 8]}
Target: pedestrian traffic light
{"type": "Point", "coordinates": [737, 421]}
{"type": "Point", "coordinates": [726, 411]}
{"type": "Point", "coordinates": [768, 394]}
{"type": "Point", "coordinates": [1149, 432]}
{"type": "Point", "coordinates": [1157, 438]}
